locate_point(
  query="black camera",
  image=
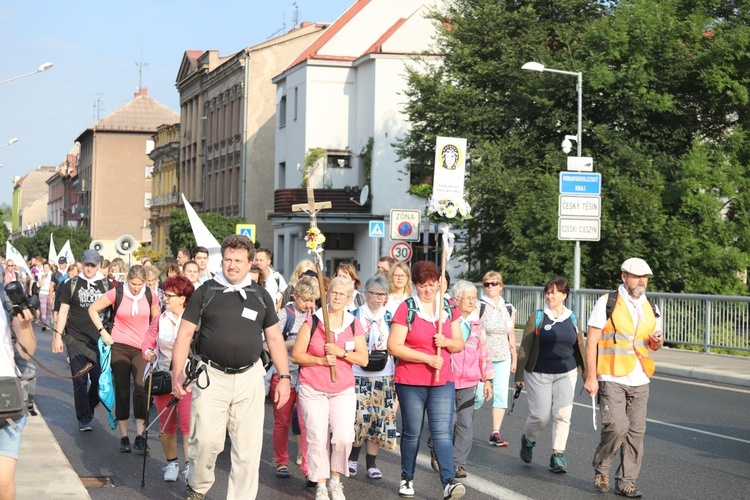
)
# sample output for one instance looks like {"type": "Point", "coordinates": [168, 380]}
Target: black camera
{"type": "Point", "coordinates": [17, 297]}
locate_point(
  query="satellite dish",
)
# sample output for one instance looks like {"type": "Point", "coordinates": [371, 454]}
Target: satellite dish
{"type": "Point", "coordinates": [97, 245]}
{"type": "Point", "coordinates": [125, 244]}
{"type": "Point", "coordinates": [362, 196]}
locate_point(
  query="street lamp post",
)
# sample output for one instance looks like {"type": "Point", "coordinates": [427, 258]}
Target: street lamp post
{"type": "Point", "coordinates": [535, 66]}
{"type": "Point", "coordinates": [43, 67]}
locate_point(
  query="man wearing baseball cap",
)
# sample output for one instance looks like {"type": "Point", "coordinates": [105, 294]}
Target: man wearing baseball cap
{"type": "Point", "coordinates": [622, 328]}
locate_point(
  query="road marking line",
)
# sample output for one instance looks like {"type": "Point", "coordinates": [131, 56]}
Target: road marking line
{"type": "Point", "coordinates": [702, 384]}
{"type": "Point", "coordinates": [682, 427]}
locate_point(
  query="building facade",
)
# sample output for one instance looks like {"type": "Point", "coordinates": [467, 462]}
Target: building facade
{"type": "Point", "coordinates": [228, 127]}
{"type": "Point", "coordinates": [30, 193]}
{"type": "Point", "coordinates": [114, 172]}
{"type": "Point", "coordinates": [165, 156]}
{"type": "Point", "coordinates": [62, 199]}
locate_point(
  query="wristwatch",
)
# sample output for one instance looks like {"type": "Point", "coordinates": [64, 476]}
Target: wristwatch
{"type": "Point", "coordinates": [346, 353]}
{"type": "Point", "coordinates": [288, 377]}
{"type": "Point", "coordinates": [102, 330]}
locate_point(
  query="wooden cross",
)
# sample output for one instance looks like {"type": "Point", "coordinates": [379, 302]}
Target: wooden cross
{"type": "Point", "coordinates": [311, 208]}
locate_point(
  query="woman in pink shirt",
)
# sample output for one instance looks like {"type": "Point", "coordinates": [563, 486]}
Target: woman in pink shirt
{"type": "Point", "coordinates": [131, 323]}
{"type": "Point", "coordinates": [327, 407]}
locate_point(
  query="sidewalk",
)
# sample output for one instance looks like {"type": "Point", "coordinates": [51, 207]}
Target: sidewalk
{"type": "Point", "coordinates": [43, 471]}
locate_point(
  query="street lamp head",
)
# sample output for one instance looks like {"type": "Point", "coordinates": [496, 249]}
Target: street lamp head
{"type": "Point", "coordinates": [533, 66]}
{"type": "Point", "coordinates": [44, 67]}
{"type": "Point", "coordinates": [13, 141]}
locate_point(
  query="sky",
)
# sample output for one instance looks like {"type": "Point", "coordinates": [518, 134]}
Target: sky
{"type": "Point", "coordinates": [97, 47]}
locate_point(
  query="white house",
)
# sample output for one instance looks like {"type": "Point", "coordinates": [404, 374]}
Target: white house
{"type": "Point", "coordinates": [346, 88]}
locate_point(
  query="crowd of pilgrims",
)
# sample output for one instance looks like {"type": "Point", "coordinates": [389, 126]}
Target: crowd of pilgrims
{"type": "Point", "coordinates": [400, 363]}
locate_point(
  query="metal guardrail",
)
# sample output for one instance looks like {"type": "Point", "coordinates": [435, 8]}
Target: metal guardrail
{"type": "Point", "coordinates": [709, 321]}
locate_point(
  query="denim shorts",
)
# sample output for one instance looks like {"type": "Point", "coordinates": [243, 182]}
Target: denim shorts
{"type": "Point", "coordinates": [10, 439]}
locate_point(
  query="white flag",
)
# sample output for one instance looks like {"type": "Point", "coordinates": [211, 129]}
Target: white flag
{"type": "Point", "coordinates": [67, 252]}
{"type": "Point", "coordinates": [12, 254]}
{"type": "Point", "coordinates": [203, 237]}
{"type": "Point", "coordinates": [52, 256]}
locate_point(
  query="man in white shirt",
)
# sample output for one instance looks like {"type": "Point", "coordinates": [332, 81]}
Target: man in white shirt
{"type": "Point", "coordinates": [622, 328]}
{"type": "Point", "coordinates": [275, 283]}
{"type": "Point", "coordinates": [200, 255]}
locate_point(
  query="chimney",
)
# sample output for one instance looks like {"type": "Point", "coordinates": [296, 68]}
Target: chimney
{"type": "Point", "coordinates": [141, 91]}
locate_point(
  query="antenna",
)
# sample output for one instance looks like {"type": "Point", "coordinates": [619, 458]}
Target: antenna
{"type": "Point", "coordinates": [141, 65]}
{"type": "Point", "coordinates": [296, 15]}
{"type": "Point", "coordinates": [98, 106]}
{"type": "Point", "coordinates": [362, 196]}
{"type": "Point", "coordinates": [282, 29]}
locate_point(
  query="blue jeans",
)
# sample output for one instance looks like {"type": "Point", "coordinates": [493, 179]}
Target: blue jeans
{"type": "Point", "coordinates": [85, 387]}
{"type": "Point", "coordinates": [439, 402]}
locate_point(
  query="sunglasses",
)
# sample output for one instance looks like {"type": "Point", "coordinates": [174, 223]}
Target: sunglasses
{"type": "Point", "coordinates": [488, 284]}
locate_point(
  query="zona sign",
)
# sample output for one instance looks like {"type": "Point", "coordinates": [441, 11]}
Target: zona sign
{"type": "Point", "coordinates": [401, 252]}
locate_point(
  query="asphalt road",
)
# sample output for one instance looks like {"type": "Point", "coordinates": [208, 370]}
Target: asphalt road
{"type": "Point", "coordinates": [697, 445]}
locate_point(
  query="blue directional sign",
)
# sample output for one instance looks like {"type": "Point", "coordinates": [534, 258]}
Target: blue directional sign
{"type": "Point", "coordinates": [582, 183]}
{"type": "Point", "coordinates": [377, 229]}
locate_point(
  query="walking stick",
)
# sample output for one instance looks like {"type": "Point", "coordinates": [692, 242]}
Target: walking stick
{"type": "Point", "coordinates": [145, 431]}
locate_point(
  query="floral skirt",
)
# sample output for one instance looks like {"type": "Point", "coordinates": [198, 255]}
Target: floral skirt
{"type": "Point", "coordinates": [376, 411]}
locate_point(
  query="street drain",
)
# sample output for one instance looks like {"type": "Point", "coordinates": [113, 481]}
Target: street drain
{"type": "Point", "coordinates": [98, 482]}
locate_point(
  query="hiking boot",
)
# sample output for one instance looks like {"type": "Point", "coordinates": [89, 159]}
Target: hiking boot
{"type": "Point", "coordinates": [406, 487]}
{"type": "Point", "coordinates": [140, 446]}
{"type": "Point", "coordinates": [124, 445]}
{"type": "Point", "coordinates": [171, 471]}
{"type": "Point", "coordinates": [601, 483]}
{"type": "Point", "coordinates": [496, 439]}
{"type": "Point", "coordinates": [527, 450]}
{"type": "Point", "coordinates": [434, 461]}
{"type": "Point", "coordinates": [191, 494]}
{"type": "Point", "coordinates": [558, 463]}
{"type": "Point", "coordinates": [629, 492]}
{"type": "Point", "coordinates": [336, 491]}
{"type": "Point", "coordinates": [460, 472]}
{"type": "Point", "coordinates": [453, 489]}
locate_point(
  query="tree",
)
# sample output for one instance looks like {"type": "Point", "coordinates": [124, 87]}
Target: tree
{"type": "Point", "coordinates": [181, 233]}
{"type": "Point", "coordinates": [665, 115]}
{"type": "Point", "coordinates": [38, 245]}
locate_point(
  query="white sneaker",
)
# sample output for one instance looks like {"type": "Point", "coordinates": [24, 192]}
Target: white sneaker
{"type": "Point", "coordinates": [336, 490]}
{"type": "Point", "coordinates": [406, 488]}
{"type": "Point", "coordinates": [171, 471]}
{"type": "Point", "coordinates": [186, 471]}
{"type": "Point", "coordinates": [453, 489]}
{"type": "Point", "coordinates": [321, 493]}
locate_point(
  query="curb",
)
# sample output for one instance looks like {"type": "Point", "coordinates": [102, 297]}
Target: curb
{"type": "Point", "coordinates": [703, 374]}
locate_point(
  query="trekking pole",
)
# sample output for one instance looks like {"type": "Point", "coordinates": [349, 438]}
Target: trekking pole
{"type": "Point", "coordinates": [145, 431]}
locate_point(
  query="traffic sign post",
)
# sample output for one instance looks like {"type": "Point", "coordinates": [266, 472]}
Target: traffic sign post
{"type": "Point", "coordinates": [580, 229]}
{"type": "Point", "coordinates": [405, 224]}
{"type": "Point", "coordinates": [401, 251]}
{"type": "Point", "coordinates": [579, 206]}
{"type": "Point", "coordinates": [377, 229]}
{"type": "Point", "coordinates": [246, 230]}
{"type": "Point", "coordinates": [581, 184]}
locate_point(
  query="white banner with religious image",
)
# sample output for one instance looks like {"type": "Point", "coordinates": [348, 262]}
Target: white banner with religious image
{"type": "Point", "coordinates": [450, 169]}
{"type": "Point", "coordinates": [12, 254]}
{"type": "Point", "coordinates": [203, 237]}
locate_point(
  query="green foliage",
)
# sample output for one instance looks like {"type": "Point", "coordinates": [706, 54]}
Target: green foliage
{"type": "Point", "coordinates": [665, 119]}
{"type": "Point", "coordinates": [38, 245]}
{"type": "Point", "coordinates": [313, 156]}
{"type": "Point", "coordinates": [148, 252]}
{"type": "Point", "coordinates": [421, 190]}
{"type": "Point", "coordinates": [181, 234]}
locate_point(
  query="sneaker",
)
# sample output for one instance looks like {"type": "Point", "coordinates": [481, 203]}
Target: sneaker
{"type": "Point", "coordinates": [140, 446]}
{"type": "Point", "coordinates": [353, 468]}
{"type": "Point", "coordinates": [601, 483]}
{"type": "Point", "coordinates": [309, 483]}
{"type": "Point", "coordinates": [629, 492]}
{"type": "Point", "coordinates": [527, 450]}
{"type": "Point", "coordinates": [496, 439]}
{"type": "Point", "coordinates": [558, 463]}
{"type": "Point", "coordinates": [434, 461]}
{"type": "Point", "coordinates": [336, 491]}
{"type": "Point", "coordinates": [460, 472]}
{"type": "Point", "coordinates": [321, 493]}
{"type": "Point", "coordinates": [191, 494]}
{"type": "Point", "coordinates": [85, 427]}
{"type": "Point", "coordinates": [406, 487]}
{"type": "Point", "coordinates": [124, 445]}
{"type": "Point", "coordinates": [453, 489]}
{"type": "Point", "coordinates": [186, 471]}
{"type": "Point", "coordinates": [171, 471]}
{"type": "Point", "coordinates": [282, 471]}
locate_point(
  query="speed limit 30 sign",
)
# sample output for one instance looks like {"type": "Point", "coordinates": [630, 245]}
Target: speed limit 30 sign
{"type": "Point", "coordinates": [401, 252]}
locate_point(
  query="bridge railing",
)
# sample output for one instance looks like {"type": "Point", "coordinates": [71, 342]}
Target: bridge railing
{"type": "Point", "coordinates": [709, 321]}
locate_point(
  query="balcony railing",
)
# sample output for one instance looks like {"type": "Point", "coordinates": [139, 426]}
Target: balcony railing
{"type": "Point", "coordinates": [341, 200]}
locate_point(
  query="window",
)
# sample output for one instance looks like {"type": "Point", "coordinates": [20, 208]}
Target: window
{"type": "Point", "coordinates": [296, 102]}
{"type": "Point", "coordinates": [147, 200]}
{"type": "Point", "coordinates": [282, 112]}
{"type": "Point", "coordinates": [338, 161]}
{"type": "Point", "coordinates": [149, 171]}
{"type": "Point", "coordinates": [339, 241]}
{"type": "Point", "coordinates": [282, 175]}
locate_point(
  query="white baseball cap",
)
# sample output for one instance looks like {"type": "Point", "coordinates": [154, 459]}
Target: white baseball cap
{"type": "Point", "coordinates": [636, 266]}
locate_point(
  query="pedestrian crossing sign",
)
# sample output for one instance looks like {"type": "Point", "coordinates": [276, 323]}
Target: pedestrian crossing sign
{"type": "Point", "coordinates": [246, 230]}
{"type": "Point", "coordinates": [377, 229]}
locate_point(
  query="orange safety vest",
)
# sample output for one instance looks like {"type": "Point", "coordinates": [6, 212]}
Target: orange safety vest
{"type": "Point", "coordinates": [618, 348]}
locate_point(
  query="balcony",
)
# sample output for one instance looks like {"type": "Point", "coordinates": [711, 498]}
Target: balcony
{"type": "Point", "coordinates": [340, 200]}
